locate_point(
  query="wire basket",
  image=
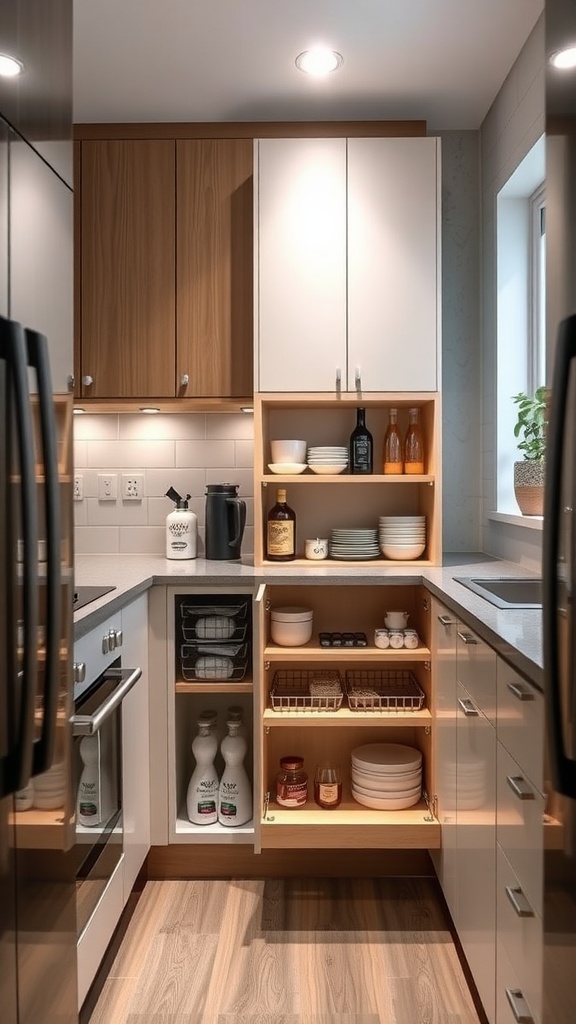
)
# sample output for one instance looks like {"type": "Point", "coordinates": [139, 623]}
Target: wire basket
{"type": "Point", "coordinates": [383, 690]}
{"type": "Point", "coordinates": [216, 632]}
{"type": "Point", "coordinates": [291, 690]}
{"type": "Point", "coordinates": [213, 668]}
{"type": "Point", "coordinates": [230, 611]}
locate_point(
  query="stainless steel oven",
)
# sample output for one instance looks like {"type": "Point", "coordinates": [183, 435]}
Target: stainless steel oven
{"type": "Point", "coordinates": [97, 761]}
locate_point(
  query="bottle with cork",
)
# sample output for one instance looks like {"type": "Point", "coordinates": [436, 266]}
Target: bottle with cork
{"type": "Point", "coordinates": [281, 530]}
{"type": "Point", "coordinates": [413, 445]}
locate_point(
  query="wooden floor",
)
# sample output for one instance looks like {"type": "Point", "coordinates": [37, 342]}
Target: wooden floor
{"type": "Point", "coordinates": [287, 951]}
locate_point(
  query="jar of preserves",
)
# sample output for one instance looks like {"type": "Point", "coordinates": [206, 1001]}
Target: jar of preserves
{"type": "Point", "coordinates": [291, 782]}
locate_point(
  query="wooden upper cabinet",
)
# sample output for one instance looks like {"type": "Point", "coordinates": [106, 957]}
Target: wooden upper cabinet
{"type": "Point", "coordinates": [214, 261]}
{"type": "Point", "coordinates": [128, 268]}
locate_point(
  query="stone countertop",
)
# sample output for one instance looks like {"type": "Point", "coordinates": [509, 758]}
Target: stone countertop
{"type": "Point", "coordinates": [516, 635]}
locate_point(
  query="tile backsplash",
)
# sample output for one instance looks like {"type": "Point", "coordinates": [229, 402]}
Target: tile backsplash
{"type": "Point", "coordinates": [185, 451]}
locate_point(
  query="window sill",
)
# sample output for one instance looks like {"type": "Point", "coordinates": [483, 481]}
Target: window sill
{"type": "Point", "coordinates": [529, 522]}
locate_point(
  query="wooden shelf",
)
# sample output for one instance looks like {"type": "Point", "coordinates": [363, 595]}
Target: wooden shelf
{"type": "Point", "coordinates": [312, 652]}
{"type": "Point", "coordinates": [345, 478]}
{"type": "Point", "coordinates": [205, 686]}
{"type": "Point", "coordinates": [345, 717]}
{"type": "Point", "coordinates": [39, 830]}
{"type": "Point", "coordinates": [186, 832]}
{"type": "Point", "coordinates": [329, 563]}
{"type": "Point", "coordinates": [350, 826]}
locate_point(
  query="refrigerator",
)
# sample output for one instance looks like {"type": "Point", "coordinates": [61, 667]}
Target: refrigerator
{"type": "Point", "coordinates": [37, 885]}
{"type": "Point", "coordinates": [559, 541]}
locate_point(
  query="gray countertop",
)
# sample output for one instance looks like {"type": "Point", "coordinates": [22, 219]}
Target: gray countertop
{"type": "Point", "coordinates": [516, 635]}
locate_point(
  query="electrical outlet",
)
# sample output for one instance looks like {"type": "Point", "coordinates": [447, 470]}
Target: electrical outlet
{"type": "Point", "coordinates": [78, 492]}
{"type": "Point", "coordinates": [132, 486]}
{"type": "Point", "coordinates": [107, 486]}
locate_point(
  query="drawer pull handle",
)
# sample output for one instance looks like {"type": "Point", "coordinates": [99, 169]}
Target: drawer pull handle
{"type": "Point", "coordinates": [467, 638]}
{"type": "Point", "coordinates": [519, 1006]}
{"type": "Point", "coordinates": [520, 692]}
{"type": "Point", "coordinates": [79, 671]}
{"type": "Point", "coordinates": [468, 707]}
{"type": "Point", "coordinates": [520, 787]}
{"type": "Point", "coordinates": [519, 901]}
{"type": "Point", "coordinates": [445, 620]}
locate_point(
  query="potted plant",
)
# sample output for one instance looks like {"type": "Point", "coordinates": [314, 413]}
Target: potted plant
{"type": "Point", "coordinates": [529, 473]}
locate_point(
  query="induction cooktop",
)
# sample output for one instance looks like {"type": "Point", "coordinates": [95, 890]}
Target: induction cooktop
{"type": "Point", "coordinates": [85, 595]}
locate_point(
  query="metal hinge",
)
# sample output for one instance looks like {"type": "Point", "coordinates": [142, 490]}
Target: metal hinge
{"type": "Point", "coordinates": [266, 802]}
{"type": "Point", "coordinates": [267, 605]}
{"type": "Point", "coordinates": [427, 666]}
{"type": "Point", "coordinates": [432, 807]}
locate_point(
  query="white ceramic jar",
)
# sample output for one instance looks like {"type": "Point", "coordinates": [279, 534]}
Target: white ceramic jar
{"type": "Point", "coordinates": [291, 627]}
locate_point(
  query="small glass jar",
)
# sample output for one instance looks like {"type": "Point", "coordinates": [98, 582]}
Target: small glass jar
{"type": "Point", "coordinates": [327, 785]}
{"type": "Point", "coordinates": [396, 638]}
{"type": "Point", "coordinates": [291, 782]}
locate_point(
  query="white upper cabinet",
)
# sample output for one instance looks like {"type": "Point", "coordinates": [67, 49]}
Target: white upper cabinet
{"type": "Point", "coordinates": [393, 264]}
{"type": "Point", "coordinates": [300, 273]}
{"type": "Point", "coordinates": [347, 270]}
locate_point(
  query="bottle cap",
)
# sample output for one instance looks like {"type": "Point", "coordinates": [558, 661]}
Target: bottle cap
{"type": "Point", "coordinates": [280, 495]}
{"type": "Point", "coordinates": [179, 501]}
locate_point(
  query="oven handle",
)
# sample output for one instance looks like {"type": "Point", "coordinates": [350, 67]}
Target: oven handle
{"type": "Point", "coordinates": [87, 725]}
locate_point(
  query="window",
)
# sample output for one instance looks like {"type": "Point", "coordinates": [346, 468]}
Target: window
{"type": "Point", "coordinates": [536, 354]}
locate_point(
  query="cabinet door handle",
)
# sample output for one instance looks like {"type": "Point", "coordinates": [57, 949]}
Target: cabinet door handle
{"type": "Point", "coordinates": [520, 692]}
{"type": "Point", "coordinates": [519, 901]}
{"type": "Point", "coordinates": [87, 380]}
{"type": "Point", "coordinates": [358, 379]}
{"type": "Point", "coordinates": [184, 380]}
{"type": "Point", "coordinates": [338, 380]}
{"type": "Point", "coordinates": [444, 620]}
{"type": "Point", "coordinates": [468, 707]}
{"type": "Point", "coordinates": [70, 381]}
{"type": "Point", "coordinates": [467, 638]}
{"type": "Point", "coordinates": [79, 671]}
{"type": "Point", "coordinates": [520, 787]}
{"type": "Point", "coordinates": [519, 1006]}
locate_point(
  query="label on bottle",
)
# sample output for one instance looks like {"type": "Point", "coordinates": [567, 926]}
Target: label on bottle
{"type": "Point", "coordinates": [292, 794]}
{"type": "Point", "coordinates": [328, 792]}
{"type": "Point", "coordinates": [281, 537]}
{"type": "Point", "coordinates": [227, 809]}
{"type": "Point", "coordinates": [206, 807]}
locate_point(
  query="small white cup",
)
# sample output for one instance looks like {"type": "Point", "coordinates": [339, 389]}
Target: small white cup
{"type": "Point", "coordinates": [396, 620]}
{"type": "Point", "coordinates": [316, 549]}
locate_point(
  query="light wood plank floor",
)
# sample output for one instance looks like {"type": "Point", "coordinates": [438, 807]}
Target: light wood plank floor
{"type": "Point", "coordinates": [287, 951]}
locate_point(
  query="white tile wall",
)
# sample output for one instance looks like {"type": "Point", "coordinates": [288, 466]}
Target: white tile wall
{"type": "Point", "coordinates": [185, 451]}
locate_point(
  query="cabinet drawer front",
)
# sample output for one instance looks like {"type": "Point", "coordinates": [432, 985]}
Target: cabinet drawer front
{"type": "Point", "coordinates": [476, 667]}
{"type": "Point", "coordinates": [521, 721]}
{"type": "Point", "coordinates": [507, 981]}
{"type": "Point", "coordinates": [96, 651]}
{"type": "Point", "coordinates": [519, 828]}
{"type": "Point", "coordinates": [520, 936]}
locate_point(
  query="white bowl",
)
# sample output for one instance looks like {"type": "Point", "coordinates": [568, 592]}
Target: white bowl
{"type": "Point", "coordinates": [385, 804]}
{"type": "Point", "coordinates": [288, 451]}
{"type": "Point", "coordinates": [287, 468]}
{"type": "Point", "coordinates": [327, 470]}
{"type": "Point", "coordinates": [400, 552]}
{"type": "Point", "coordinates": [383, 794]}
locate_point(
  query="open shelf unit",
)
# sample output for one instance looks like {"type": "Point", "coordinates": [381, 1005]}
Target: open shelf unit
{"type": "Point", "coordinates": [322, 503]}
{"type": "Point", "coordinates": [317, 735]}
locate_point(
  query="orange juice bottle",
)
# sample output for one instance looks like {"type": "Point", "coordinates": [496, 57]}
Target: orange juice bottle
{"type": "Point", "coordinates": [392, 455]}
{"type": "Point", "coordinates": [413, 445]}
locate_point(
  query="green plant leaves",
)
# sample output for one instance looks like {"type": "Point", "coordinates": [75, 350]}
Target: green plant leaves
{"type": "Point", "coordinates": [531, 423]}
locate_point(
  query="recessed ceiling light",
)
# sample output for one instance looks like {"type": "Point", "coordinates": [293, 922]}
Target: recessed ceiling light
{"type": "Point", "coordinates": [77, 411]}
{"type": "Point", "coordinates": [9, 66]}
{"type": "Point", "coordinates": [564, 59]}
{"type": "Point", "coordinates": [319, 61]}
{"type": "Point", "coordinates": [246, 408]}
{"type": "Point", "coordinates": [150, 409]}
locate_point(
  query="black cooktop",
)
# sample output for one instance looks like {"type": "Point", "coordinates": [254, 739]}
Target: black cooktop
{"type": "Point", "coordinates": [84, 595]}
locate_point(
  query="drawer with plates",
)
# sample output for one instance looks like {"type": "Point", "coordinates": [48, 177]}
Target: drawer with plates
{"type": "Point", "coordinates": [520, 720]}
{"type": "Point", "coordinates": [476, 668]}
{"type": "Point", "coordinates": [519, 931]}
{"type": "Point", "coordinates": [519, 825]}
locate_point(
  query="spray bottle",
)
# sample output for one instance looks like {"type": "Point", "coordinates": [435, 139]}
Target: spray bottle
{"type": "Point", "coordinates": [181, 528]}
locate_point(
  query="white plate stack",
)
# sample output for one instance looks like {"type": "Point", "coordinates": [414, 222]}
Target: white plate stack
{"type": "Point", "coordinates": [402, 537]}
{"type": "Point", "coordinates": [354, 545]}
{"type": "Point", "coordinates": [386, 776]}
{"type": "Point", "coordinates": [328, 459]}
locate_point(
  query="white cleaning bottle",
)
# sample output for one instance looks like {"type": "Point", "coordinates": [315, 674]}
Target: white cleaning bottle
{"type": "Point", "coordinates": [234, 794]}
{"type": "Point", "coordinates": [89, 804]}
{"type": "Point", "coordinates": [181, 528]}
{"type": "Point", "coordinates": [202, 795]}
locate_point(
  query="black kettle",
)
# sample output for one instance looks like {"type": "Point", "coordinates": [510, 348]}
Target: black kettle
{"type": "Point", "coordinates": [225, 521]}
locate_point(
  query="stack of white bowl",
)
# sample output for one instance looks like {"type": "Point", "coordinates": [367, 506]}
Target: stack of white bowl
{"type": "Point", "coordinates": [50, 788]}
{"type": "Point", "coordinates": [386, 776]}
{"type": "Point", "coordinates": [402, 537]}
{"type": "Point", "coordinates": [328, 459]}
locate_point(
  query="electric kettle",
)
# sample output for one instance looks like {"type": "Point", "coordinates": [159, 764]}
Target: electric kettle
{"type": "Point", "coordinates": [225, 521]}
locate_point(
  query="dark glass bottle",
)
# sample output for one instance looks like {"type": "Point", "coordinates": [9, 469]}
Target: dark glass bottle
{"type": "Point", "coordinates": [361, 445]}
{"type": "Point", "coordinates": [281, 530]}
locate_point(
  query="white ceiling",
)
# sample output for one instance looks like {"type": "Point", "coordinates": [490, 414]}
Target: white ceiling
{"type": "Point", "coordinates": [233, 60]}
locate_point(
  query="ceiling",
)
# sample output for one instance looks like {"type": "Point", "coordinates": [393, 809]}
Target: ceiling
{"type": "Point", "coordinates": [233, 60]}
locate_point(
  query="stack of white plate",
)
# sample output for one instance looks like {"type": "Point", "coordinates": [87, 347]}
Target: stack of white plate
{"type": "Point", "coordinates": [386, 776]}
{"type": "Point", "coordinates": [354, 545]}
{"type": "Point", "coordinates": [328, 459]}
{"type": "Point", "coordinates": [402, 536]}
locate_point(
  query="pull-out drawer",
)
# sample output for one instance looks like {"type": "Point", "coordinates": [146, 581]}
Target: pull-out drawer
{"type": "Point", "coordinates": [521, 721]}
{"type": "Point", "coordinates": [519, 931]}
{"type": "Point", "coordinates": [476, 668]}
{"type": "Point", "coordinates": [519, 825]}
{"type": "Point", "coordinates": [511, 1003]}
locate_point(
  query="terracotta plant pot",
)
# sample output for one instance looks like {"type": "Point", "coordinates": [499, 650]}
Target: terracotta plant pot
{"type": "Point", "coordinates": [529, 486]}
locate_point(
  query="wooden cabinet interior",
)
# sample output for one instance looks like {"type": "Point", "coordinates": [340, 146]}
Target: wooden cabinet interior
{"type": "Point", "coordinates": [321, 420]}
{"type": "Point", "coordinates": [334, 734]}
